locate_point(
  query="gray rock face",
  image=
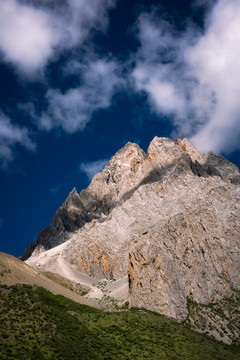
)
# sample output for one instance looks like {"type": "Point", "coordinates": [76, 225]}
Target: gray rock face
{"type": "Point", "coordinates": [169, 219]}
{"type": "Point", "coordinates": [68, 218]}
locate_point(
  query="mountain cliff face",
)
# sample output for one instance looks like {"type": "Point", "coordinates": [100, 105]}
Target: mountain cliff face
{"type": "Point", "coordinates": [167, 221]}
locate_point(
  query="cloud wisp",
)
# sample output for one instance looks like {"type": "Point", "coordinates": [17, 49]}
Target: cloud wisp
{"type": "Point", "coordinates": [54, 190]}
{"type": "Point", "coordinates": [203, 3]}
{"type": "Point", "coordinates": [27, 35]}
{"type": "Point", "coordinates": [214, 61]}
{"type": "Point", "coordinates": [92, 168]}
{"type": "Point", "coordinates": [73, 109]}
{"type": "Point", "coordinates": [10, 136]}
{"type": "Point", "coordinates": [31, 33]}
{"type": "Point", "coordinates": [194, 76]}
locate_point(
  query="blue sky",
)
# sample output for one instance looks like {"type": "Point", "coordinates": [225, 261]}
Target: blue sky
{"type": "Point", "coordinates": [79, 79]}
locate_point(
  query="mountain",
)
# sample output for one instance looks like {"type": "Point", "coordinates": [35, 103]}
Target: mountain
{"type": "Point", "coordinates": [158, 229]}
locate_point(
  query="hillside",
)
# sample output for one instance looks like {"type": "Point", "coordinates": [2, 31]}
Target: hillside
{"type": "Point", "coordinates": [14, 271]}
{"type": "Point", "coordinates": [35, 324]}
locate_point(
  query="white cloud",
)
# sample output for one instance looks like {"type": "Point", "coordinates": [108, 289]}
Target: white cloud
{"type": "Point", "coordinates": [10, 136]}
{"type": "Point", "coordinates": [92, 168]}
{"type": "Point", "coordinates": [194, 76]}
{"type": "Point", "coordinates": [27, 35]}
{"type": "Point", "coordinates": [156, 72]}
{"type": "Point", "coordinates": [86, 15]}
{"type": "Point", "coordinates": [163, 94]}
{"type": "Point", "coordinates": [214, 61]}
{"type": "Point", "coordinates": [30, 33]}
{"type": "Point", "coordinates": [33, 32]}
{"type": "Point", "coordinates": [68, 111]}
{"type": "Point", "coordinates": [73, 109]}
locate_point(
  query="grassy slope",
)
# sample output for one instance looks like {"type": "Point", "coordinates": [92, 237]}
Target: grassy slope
{"type": "Point", "coordinates": [35, 324]}
{"type": "Point", "coordinates": [220, 319]}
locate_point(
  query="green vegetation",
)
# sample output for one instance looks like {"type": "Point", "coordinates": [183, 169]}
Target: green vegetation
{"type": "Point", "coordinates": [221, 319]}
{"type": "Point", "coordinates": [35, 324]}
{"type": "Point", "coordinates": [4, 272]}
{"type": "Point", "coordinates": [3, 269]}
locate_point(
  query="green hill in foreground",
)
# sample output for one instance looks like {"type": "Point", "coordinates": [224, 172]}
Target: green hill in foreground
{"type": "Point", "coordinates": [35, 324]}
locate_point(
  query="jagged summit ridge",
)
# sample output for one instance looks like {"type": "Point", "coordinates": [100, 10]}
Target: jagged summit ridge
{"type": "Point", "coordinates": [167, 220]}
{"type": "Point", "coordinates": [128, 169]}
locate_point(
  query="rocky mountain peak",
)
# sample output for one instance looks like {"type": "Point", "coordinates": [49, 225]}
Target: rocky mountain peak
{"type": "Point", "coordinates": [164, 224]}
{"type": "Point", "coordinates": [187, 147]}
{"type": "Point", "coordinates": [73, 202]}
{"type": "Point", "coordinates": [128, 170]}
{"type": "Point", "coordinates": [120, 172]}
